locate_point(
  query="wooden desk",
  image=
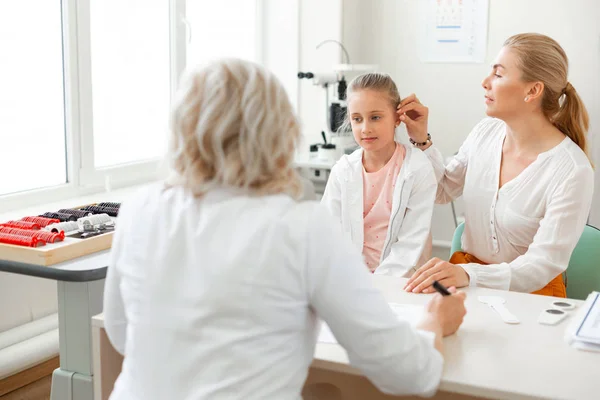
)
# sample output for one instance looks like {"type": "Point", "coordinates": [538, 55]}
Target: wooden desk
{"type": "Point", "coordinates": [485, 359]}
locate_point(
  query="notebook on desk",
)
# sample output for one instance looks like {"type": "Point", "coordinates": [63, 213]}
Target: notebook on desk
{"type": "Point", "coordinates": [407, 312]}
{"type": "Point", "coordinates": [584, 331]}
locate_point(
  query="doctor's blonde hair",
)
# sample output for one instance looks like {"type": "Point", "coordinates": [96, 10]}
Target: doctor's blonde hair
{"type": "Point", "coordinates": [233, 125]}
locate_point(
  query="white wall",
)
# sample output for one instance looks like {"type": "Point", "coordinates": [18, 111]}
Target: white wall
{"type": "Point", "coordinates": [292, 30]}
{"type": "Point", "coordinates": [385, 32]}
{"type": "Point", "coordinates": [281, 35]}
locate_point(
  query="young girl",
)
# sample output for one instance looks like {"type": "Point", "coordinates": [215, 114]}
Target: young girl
{"type": "Point", "coordinates": [383, 193]}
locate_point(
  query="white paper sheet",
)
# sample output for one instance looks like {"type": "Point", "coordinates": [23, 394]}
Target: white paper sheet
{"type": "Point", "coordinates": [406, 312]}
{"type": "Point", "coordinates": [588, 330]}
{"type": "Point", "coordinates": [583, 333]}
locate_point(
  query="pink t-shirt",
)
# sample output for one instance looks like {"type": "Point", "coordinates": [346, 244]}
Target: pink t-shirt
{"type": "Point", "coordinates": [378, 191]}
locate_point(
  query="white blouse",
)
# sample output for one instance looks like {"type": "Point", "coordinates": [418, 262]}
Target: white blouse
{"type": "Point", "coordinates": [528, 229]}
{"type": "Point", "coordinates": [218, 298]}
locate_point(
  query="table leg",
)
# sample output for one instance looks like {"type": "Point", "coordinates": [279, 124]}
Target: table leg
{"type": "Point", "coordinates": [77, 303]}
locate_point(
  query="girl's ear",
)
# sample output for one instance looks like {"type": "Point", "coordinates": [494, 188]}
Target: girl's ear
{"type": "Point", "coordinates": [396, 118]}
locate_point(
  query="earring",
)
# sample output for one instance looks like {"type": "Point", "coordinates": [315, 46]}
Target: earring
{"type": "Point", "coordinates": [526, 98]}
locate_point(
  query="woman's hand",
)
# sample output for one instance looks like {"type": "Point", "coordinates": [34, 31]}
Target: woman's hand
{"type": "Point", "coordinates": [436, 270]}
{"type": "Point", "coordinates": [414, 115]}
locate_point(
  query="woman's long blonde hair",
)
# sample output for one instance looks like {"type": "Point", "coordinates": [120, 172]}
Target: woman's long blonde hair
{"type": "Point", "coordinates": [233, 125]}
{"type": "Point", "coordinates": [542, 59]}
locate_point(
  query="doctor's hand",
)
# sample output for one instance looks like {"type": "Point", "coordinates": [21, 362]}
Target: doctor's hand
{"type": "Point", "coordinates": [436, 270]}
{"type": "Point", "coordinates": [447, 311]}
{"type": "Point", "coordinates": [414, 115]}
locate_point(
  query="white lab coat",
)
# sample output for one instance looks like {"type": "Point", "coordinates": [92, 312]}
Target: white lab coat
{"type": "Point", "coordinates": [218, 297]}
{"type": "Point", "coordinates": [408, 241]}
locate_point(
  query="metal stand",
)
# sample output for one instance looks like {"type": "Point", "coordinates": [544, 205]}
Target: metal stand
{"type": "Point", "coordinates": [454, 214]}
{"type": "Point", "coordinates": [78, 302]}
{"type": "Point", "coordinates": [80, 296]}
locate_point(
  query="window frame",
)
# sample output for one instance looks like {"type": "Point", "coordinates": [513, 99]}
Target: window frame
{"type": "Point", "coordinates": [128, 173]}
{"type": "Point", "coordinates": [83, 178]}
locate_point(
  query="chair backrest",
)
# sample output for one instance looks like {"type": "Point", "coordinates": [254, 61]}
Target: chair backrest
{"type": "Point", "coordinates": [457, 239]}
{"type": "Point", "coordinates": [583, 273]}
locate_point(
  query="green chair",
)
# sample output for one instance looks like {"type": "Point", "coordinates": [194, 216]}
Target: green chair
{"type": "Point", "coordinates": [457, 239]}
{"type": "Point", "coordinates": [582, 275]}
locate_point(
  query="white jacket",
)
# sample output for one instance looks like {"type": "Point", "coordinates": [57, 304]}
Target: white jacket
{"type": "Point", "coordinates": [408, 241]}
{"type": "Point", "coordinates": [218, 297]}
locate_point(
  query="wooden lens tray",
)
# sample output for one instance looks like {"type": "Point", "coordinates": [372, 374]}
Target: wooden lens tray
{"type": "Point", "coordinates": [54, 253]}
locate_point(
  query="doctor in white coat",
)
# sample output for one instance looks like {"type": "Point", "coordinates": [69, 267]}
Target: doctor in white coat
{"type": "Point", "coordinates": [218, 277]}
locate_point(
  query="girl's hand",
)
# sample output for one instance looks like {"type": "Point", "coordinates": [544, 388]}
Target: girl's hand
{"type": "Point", "coordinates": [414, 115]}
{"type": "Point", "coordinates": [436, 270]}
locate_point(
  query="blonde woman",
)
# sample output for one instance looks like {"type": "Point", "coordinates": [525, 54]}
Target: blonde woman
{"type": "Point", "coordinates": [524, 175]}
{"type": "Point", "coordinates": [217, 277]}
{"type": "Point", "coordinates": [383, 193]}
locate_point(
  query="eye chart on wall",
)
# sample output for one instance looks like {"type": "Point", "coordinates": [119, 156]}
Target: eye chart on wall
{"type": "Point", "coordinates": [454, 31]}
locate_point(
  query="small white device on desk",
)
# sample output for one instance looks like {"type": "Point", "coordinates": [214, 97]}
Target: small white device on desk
{"type": "Point", "coordinates": [496, 303]}
{"type": "Point", "coordinates": [556, 312]}
{"type": "Point", "coordinates": [327, 152]}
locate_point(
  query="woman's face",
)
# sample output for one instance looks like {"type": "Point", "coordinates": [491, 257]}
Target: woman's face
{"type": "Point", "coordinates": [505, 91]}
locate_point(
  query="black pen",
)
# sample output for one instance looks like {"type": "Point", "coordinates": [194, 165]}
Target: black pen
{"type": "Point", "coordinates": [441, 288]}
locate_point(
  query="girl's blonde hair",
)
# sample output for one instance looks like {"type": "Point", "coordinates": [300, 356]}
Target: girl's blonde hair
{"type": "Point", "coordinates": [542, 59]}
{"type": "Point", "coordinates": [233, 125]}
{"type": "Point", "coordinates": [372, 81]}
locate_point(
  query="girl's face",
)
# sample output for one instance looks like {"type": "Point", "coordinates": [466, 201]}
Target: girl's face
{"type": "Point", "coordinates": [373, 119]}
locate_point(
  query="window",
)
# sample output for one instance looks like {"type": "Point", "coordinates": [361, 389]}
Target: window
{"type": "Point", "coordinates": [32, 112]}
{"type": "Point", "coordinates": [130, 79]}
{"type": "Point", "coordinates": [263, 31]}
{"type": "Point", "coordinates": [86, 85]}
{"type": "Point", "coordinates": [225, 28]}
